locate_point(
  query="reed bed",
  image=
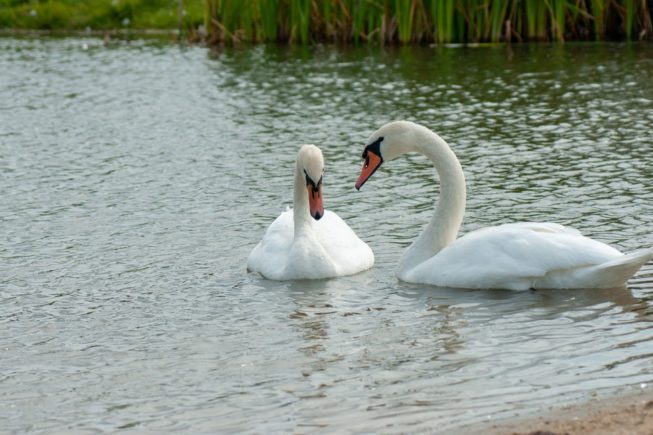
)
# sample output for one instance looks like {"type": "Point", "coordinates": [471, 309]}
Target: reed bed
{"type": "Point", "coordinates": [426, 21]}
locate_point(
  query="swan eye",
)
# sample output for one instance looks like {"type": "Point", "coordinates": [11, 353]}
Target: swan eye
{"type": "Point", "coordinates": [310, 182]}
{"type": "Point", "coordinates": [374, 148]}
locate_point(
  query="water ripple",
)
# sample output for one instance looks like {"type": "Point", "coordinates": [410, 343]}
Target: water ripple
{"type": "Point", "coordinates": [136, 178]}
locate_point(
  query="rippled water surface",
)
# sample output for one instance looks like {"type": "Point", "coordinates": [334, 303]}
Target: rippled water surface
{"type": "Point", "coordinates": [136, 177]}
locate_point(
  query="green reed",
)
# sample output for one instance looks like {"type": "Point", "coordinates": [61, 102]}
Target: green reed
{"type": "Point", "coordinates": [630, 16]}
{"type": "Point", "coordinates": [598, 12]}
{"type": "Point", "coordinates": [268, 20]}
{"type": "Point", "coordinates": [442, 14]}
{"type": "Point", "coordinates": [426, 21]}
{"type": "Point", "coordinates": [536, 20]}
{"type": "Point", "coordinates": [557, 10]}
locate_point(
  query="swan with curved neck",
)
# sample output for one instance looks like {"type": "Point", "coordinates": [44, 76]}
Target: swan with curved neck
{"type": "Point", "coordinates": [511, 256]}
{"type": "Point", "coordinates": [308, 242]}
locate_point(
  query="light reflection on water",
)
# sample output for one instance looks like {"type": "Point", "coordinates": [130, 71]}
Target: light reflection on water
{"type": "Point", "coordinates": [137, 177]}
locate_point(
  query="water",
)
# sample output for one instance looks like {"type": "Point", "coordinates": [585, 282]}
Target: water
{"type": "Point", "coordinates": [136, 177]}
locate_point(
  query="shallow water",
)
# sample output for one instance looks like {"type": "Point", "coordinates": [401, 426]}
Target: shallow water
{"type": "Point", "coordinates": [136, 178]}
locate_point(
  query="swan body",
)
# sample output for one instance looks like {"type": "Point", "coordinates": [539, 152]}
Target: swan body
{"type": "Point", "coordinates": [516, 256]}
{"type": "Point", "coordinates": [307, 242]}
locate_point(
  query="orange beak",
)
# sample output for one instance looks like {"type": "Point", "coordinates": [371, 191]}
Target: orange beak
{"type": "Point", "coordinates": [372, 163]}
{"type": "Point", "coordinates": [315, 201]}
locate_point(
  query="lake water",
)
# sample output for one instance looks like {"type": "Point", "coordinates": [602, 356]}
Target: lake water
{"type": "Point", "coordinates": [136, 177]}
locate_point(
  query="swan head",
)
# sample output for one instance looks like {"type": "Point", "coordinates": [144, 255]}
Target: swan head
{"type": "Point", "coordinates": [310, 164]}
{"type": "Point", "coordinates": [385, 144]}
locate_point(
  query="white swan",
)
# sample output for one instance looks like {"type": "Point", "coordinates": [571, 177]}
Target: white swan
{"type": "Point", "coordinates": [512, 256]}
{"type": "Point", "coordinates": [308, 242]}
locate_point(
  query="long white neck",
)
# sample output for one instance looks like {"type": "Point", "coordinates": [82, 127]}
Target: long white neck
{"type": "Point", "coordinates": [302, 218]}
{"type": "Point", "coordinates": [444, 226]}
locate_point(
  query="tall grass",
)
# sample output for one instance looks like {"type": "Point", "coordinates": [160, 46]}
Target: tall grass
{"type": "Point", "coordinates": [427, 21]}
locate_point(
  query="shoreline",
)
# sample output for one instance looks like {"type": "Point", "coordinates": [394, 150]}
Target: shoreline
{"type": "Point", "coordinates": [627, 413]}
{"type": "Point", "coordinates": [201, 38]}
{"type": "Point", "coordinates": [90, 32]}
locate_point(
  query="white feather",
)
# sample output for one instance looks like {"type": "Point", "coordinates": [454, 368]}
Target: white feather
{"type": "Point", "coordinates": [513, 256]}
{"type": "Point", "coordinates": [296, 246]}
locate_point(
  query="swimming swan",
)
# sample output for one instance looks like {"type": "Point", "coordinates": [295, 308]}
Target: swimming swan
{"type": "Point", "coordinates": [307, 242]}
{"type": "Point", "coordinates": [515, 256]}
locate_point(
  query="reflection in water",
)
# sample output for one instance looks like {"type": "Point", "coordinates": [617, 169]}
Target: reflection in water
{"type": "Point", "coordinates": [139, 177]}
{"type": "Point", "coordinates": [312, 311]}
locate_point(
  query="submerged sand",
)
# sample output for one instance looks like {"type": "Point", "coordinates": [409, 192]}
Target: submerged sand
{"type": "Point", "coordinates": [626, 415]}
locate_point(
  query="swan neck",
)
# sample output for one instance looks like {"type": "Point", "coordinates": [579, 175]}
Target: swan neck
{"type": "Point", "coordinates": [445, 223]}
{"type": "Point", "coordinates": [301, 215]}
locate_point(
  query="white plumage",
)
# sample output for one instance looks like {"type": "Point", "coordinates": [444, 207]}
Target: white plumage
{"type": "Point", "coordinates": [526, 255]}
{"type": "Point", "coordinates": [512, 256]}
{"type": "Point", "coordinates": [307, 242]}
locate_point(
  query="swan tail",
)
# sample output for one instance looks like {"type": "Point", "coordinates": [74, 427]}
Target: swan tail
{"type": "Point", "coordinates": [616, 272]}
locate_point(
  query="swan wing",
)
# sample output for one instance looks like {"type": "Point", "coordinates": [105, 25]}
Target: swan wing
{"type": "Point", "coordinates": [331, 249]}
{"type": "Point", "coordinates": [513, 256]}
{"type": "Point", "coordinates": [270, 256]}
{"type": "Point", "coordinates": [347, 252]}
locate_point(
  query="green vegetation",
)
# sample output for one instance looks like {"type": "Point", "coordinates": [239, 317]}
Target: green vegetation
{"type": "Point", "coordinates": [347, 21]}
{"type": "Point", "coordinates": [70, 15]}
{"type": "Point", "coordinates": [425, 21]}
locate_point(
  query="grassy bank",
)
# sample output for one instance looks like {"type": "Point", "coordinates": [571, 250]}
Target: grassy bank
{"type": "Point", "coordinates": [72, 15]}
{"type": "Point", "coordinates": [426, 21]}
